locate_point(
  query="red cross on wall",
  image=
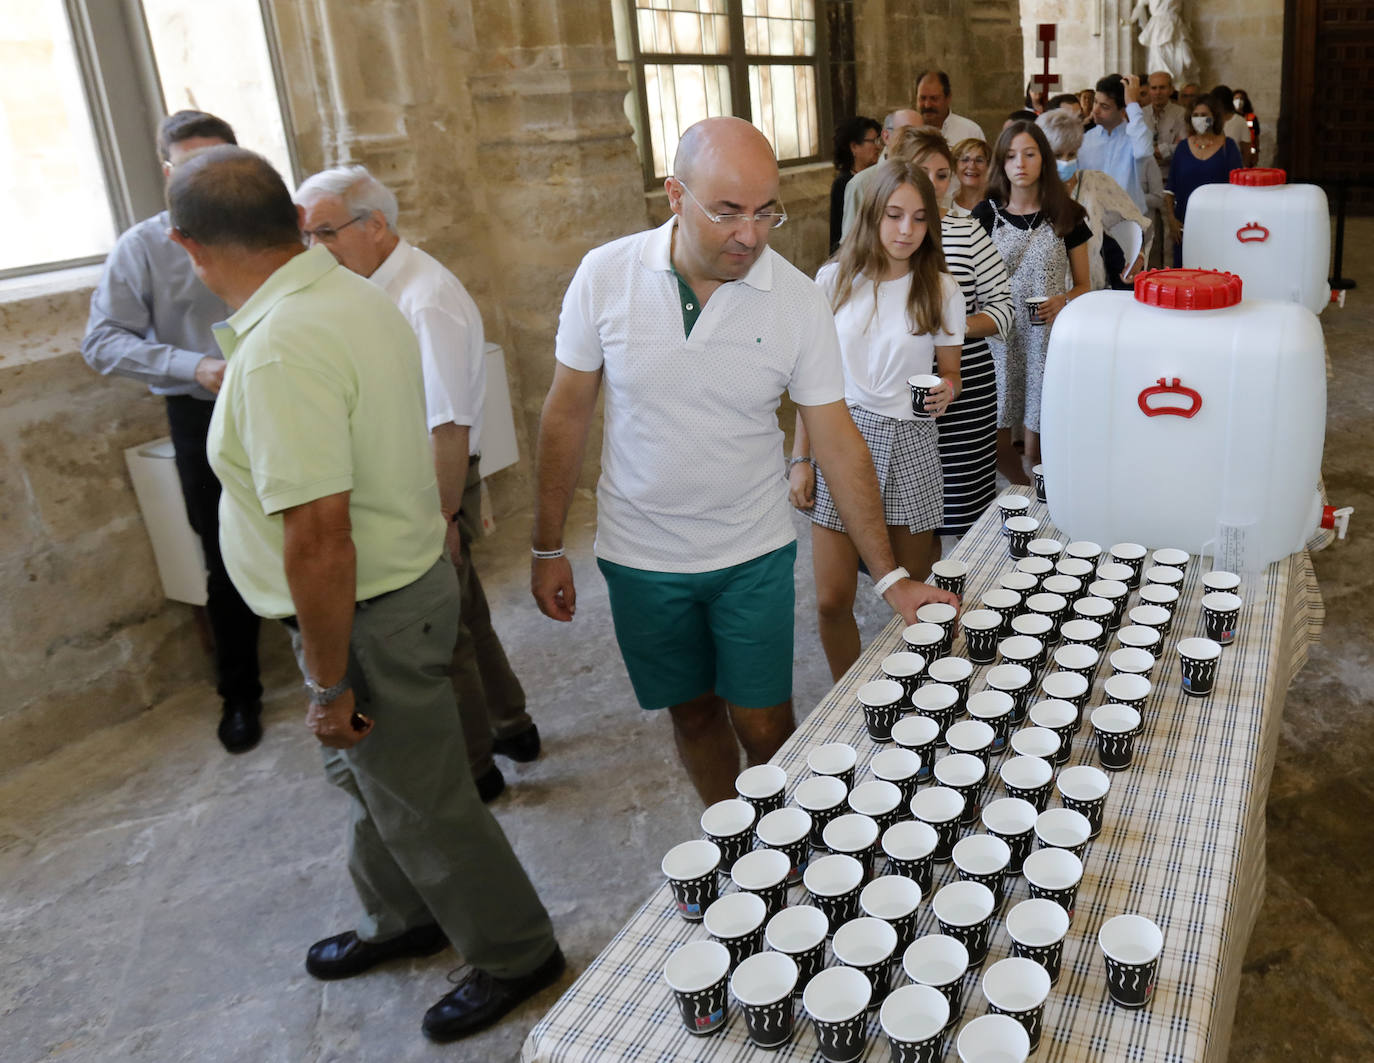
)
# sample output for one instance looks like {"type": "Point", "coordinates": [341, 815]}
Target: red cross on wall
{"type": "Point", "coordinates": [1045, 49]}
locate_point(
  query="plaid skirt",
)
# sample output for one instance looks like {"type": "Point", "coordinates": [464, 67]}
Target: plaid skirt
{"type": "Point", "coordinates": [906, 457]}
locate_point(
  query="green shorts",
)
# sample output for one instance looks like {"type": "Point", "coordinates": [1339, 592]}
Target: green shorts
{"type": "Point", "coordinates": [684, 634]}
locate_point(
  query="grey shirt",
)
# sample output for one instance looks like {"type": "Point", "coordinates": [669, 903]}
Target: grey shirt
{"type": "Point", "coordinates": [151, 315]}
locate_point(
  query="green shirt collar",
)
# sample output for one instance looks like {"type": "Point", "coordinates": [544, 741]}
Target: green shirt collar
{"type": "Point", "coordinates": [298, 272]}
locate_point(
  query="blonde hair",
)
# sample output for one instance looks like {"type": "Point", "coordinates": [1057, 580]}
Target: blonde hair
{"type": "Point", "coordinates": [861, 251]}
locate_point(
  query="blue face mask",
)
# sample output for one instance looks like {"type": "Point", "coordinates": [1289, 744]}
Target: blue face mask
{"type": "Point", "coordinates": [1067, 168]}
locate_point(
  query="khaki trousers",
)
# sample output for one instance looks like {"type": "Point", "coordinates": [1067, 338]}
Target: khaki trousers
{"type": "Point", "coordinates": [423, 846]}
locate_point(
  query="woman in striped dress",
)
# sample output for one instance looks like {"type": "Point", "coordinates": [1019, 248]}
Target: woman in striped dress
{"type": "Point", "coordinates": [968, 430]}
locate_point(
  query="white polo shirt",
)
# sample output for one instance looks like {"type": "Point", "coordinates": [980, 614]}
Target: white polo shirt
{"type": "Point", "coordinates": [449, 327]}
{"type": "Point", "coordinates": [691, 454]}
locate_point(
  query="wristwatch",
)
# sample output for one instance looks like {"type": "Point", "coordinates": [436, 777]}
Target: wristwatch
{"type": "Point", "coordinates": [322, 695]}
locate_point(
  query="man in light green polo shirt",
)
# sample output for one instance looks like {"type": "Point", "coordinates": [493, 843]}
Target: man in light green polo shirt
{"type": "Point", "coordinates": [329, 520]}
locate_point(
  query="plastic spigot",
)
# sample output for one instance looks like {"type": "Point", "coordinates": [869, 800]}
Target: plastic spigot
{"type": "Point", "coordinates": [1338, 519]}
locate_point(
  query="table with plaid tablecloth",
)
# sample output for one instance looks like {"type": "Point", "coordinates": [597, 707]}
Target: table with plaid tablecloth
{"type": "Point", "coordinates": [1182, 843]}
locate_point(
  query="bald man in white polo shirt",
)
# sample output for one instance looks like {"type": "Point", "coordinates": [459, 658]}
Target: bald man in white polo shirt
{"type": "Point", "coordinates": [696, 328]}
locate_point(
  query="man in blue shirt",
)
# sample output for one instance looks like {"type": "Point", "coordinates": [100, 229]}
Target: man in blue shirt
{"type": "Point", "coordinates": [150, 321]}
{"type": "Point", "coordinates": [1120, 137]}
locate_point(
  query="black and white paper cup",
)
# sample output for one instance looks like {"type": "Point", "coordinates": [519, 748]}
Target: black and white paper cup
{"type": "Point", "coordinates": [1036, 741]}
{"type": "Point", "coordinates": [940, 962]}
{"type": "Point", "coordinates": [993, 1037]}
{"type": "Point", "coordinates": [1152, 616]}
{"type": "Point", "coordinates": [982, 631]}
{"type": "Point", "coordinates": [1013, 820]}
{"type": "Point", "coordinates": [901, 768]}
{"type": "Point", "coordinates": [1141, 637]}
{"type": "Point", "coordinates": [965, 774]}
{"type": "Point", "coordinates": [787, 830]}
{"type": "Point", "coordinates": [1010, 504]}
{"type": "Point", "coordinates": [964, 911]}
{"type": "Point", "coordinates": [881, 701]}
{"type": "Point", "coordinates": [764, 872]}
{"type": "Point", "coordinates": [950, 575]}
{"type": "Point", "coordinates": [1067, 587]}
{"type": "Point", "coordinates": [1061, 719]}
{"type": "Point", "coordinates": [1221, 580]}
{"type": "Point", "coordinates": [736, 921]}
{"type": "Point", "coordinates": [822, 797]}
{"type": "Point", "coordinates": [1115, 592]}
{"type": "Point", "coordinates": [895, 899]}
{"type": "Point", "coordinates": [836, 759]}
{"type": "Point", "coordinates": [1025, 650]}
{"type": "Point", "coordinates": [880, 800]}
{"type": "Point", "coordinates": [985, 859]}
{"type": "Point", "coordinates": [1085, 550]}
{"type": "Point", "coordinates": [920, 386]}
{"type": "Point", "coordinates": [940, 807]}
{"type": "Point", "coordinates": [910, 850]}
{"type": "Point", "coordinates": [1084, 788]}
{"type": "Point", "coordinates": [697, 973]}
{"type": "Point", "coordinates": [1220, 615]}
{"type": "Point", "coordinates": [800, 931]}
{"type": "Point", "coordinates": [1006, 604]}
{"type": "Point", "coordinates": [1052, 605]}
{"type": "Point", "coordinates": [853, 834]}
{"type": "Point", "coordinates": [1077, 567]}
{"type": "Point", "coordinates": [1038, 476]}
{"type": "Point", "coordinates": [906, 668]}
{"type": "Point", "coordinates": [1038, 567]}
{"type": "Point", "coordinates": [1166, 598]}
{"type": "Point", "coordinates": [971, 736]}
{"type": "Point", "coordinates": [942, 615]}
{"type": "Point", "coordinates": [1016, 680]}
{"type": "Point", "coordinates": [913, 1019]}
{"type": "Point", "coordinates": [690, 869]}
{"type": "Point", "coordinates": [1073, 687]}
{"type": "Point", "coordinates": [1020, 531]}
{"type": "Point", "coordinates": [1027, 778]}
{"type": "Point", "coordinates": [1198, 660]}
{"type": "Point", "coordinates": [730, 824]}
{"type": "Point", "coordinates": [994, 708]}
{"type": "Point", "coordinates": [1063, 828]}
{"type": "Point", "coordinates": [1054, 875]}
{"type": "Point", "coordinates": [1050, 549]}
{"type": "Point", "coordinates": [1018, 987]}
{"type": "Point", "coordinates": [762, 786]}
{"type": "Point", "coordinates": [1172, 557]}
{"type": "Point", "coordinates": [868, 945]}
{"type": "Point", "coordinates": [940, 702]}
{"type": "Point", "coordinates": [1132, 661]}
{"type": "Point", "coordinates": [837, 1002]}
{"type": "Point", "coordinates": [1035, 626]}
{"type": "Point", "coordinates": [1128, 689]}
{"type": "Point", "coordinates": [1037, 929]}
{"type": "Point", "coordinates": [1081, 632]}
{"type": "Point", "coordinates": [1131, 945]}
{"type": "Point", "coordinates": [833, 883]}
{"type": "Point", "coordinates": [920, 734]}
{"type": "Point", "coordinates": [925, 639]}
{"type": "Point", "coordinates": [1132, 555]}
{"type": "Point", "coordinates": [764, 985]}
{"type": "Point", "coordinates": [956, 672]}
{"type": "Point", "coordinates": [1115, 728]}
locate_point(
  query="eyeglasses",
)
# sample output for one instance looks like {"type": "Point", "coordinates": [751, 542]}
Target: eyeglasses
{"type": "Point", "coordinates": [868, 140]}
{"type": "Point", "coordinates": [771, 219]}
{"type": "Point", "coordinates": [326, 233]}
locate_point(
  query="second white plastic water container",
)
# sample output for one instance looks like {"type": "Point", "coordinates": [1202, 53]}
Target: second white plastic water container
{"type": "Point", "coordinates": [1275, 236]}
{"type": "Point", "coordinates": [1179, 415]}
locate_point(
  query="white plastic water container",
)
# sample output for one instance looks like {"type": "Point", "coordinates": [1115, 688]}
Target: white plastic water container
{"type": "Point", "coordinates": [1275, 236]}
{"type": "Point", "coordinates": [1179, 415]}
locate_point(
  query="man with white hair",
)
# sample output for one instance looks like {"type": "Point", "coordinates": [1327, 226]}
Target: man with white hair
{"type": "Point", "coordinates": [893, 124]}
{"type": "Point", "coordinates": [354, 215]}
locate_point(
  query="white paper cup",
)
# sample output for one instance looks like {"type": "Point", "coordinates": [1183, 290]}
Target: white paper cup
{"type": "Point", "coordinates": [1115, 727]}
{"type": "Point", "coordinates": [918, 734]}
{"type": "Point", "coordinates": [729, 824]}
{"type": "Point", "coordinates": [834, 758]}
{"type": "Point", "coordinates": [1067, 587]}
{"type": "Point", "coordinates": [696, 973]}
{"type": "Point", "coordinates": [964, 911]}
{"type": "Point", "coordinates": [763, 984]}
{"type": "Point", "coordinates": [800, 931]}
{"type": "Point", "coordinates": [822, 798]}
{"type": "Point", "coordinates": [1072, 687]}
{"type": "Point", "coordinates": [879, 800]}
{"type": "Point", "coordinates": [913, 1018]}
{"type": "Point", "coordinates": [1019, 582]}
{"type": "Point", "coordinates": [964, 773]}
{"type": "Point", "coordinates": [867, 944]}
{"type": "Point", "coordinates": [736, 921]}
{"type": "Point", "coordinates": [1162, 595]}
{"type": "Point", "coordinates": [1035, 742]}
{"type": "Point", "coordinates": [1032, 565]}
{"type": "Point", "coordinates": [920, 386]}
{"type": "Point", "coordinates": [1054, 875]}
{"type": "Point", "coordinates": [1198, 660]}
{"type": "Point", "coordinates": [985, 859]}
{"type": "Point", "coordinates": [1012, 504]}
{"type": "Point", "coordinates": [905, 668]}
{"type": "Point", "coordinates": [993, 1039]}
{"type": "Point", "coordinates": [882, 702]}
{"type": "Point", "coordinates": [837, 1001]}
{"type": "Point", "coordinates": [941, 808]}
{"type": "Point", "coordinates": [971, 736]}
{"type": "Point", "coordinates": [789, 831]}
{"type": "Point", "coordinates": [1043, 547]}
{"type": "Point", "coordinates": [1013, 820]}
{"type": "Point", "coordinates": [1221, 580]}
{"type": "Point", "coordinates": [1140, 637]}
{"type": "Point", "coordinates": [1018, 988]}
{"type": "Point", "coordinates": [1084, 789]}
{"type": "Point", "coordinates": [938, 613]}
{"type": "Point", "coordinates": [890, 897]}
{"type": "Point", "coordinates": [1155, 616]}
{"type": "Point", "coordinates": [1132, 661]}
{"type": "Point", "coordinates": [833, 882]}
{"type": "Point", "coordinates": [1063, 828]}
{"type": "Point", "coordinates": [1115, 570]}
{"type": "Point", "coordinates": [910, 850]}
{"type": "Point", "coordinates": [1164, 576]}
{"type": "Point", "coordinates": [950, 671]}
{"type": "Point", "coordinates": [1171, 556]}
{"type": "Point", "coordinates": [1076, 567]}
{"type": "Point", "coordinates": [1131, 945]}
{"type": "Point", "coordinates": [1061, 719]}
{"type": "Point", "coordinates": [1027, 778]}
{"type": "Point", "coordinates": [1034, 625]}
{"type": "Point", "coordinates": [690, 868]}
{"type": "Point", "coordinates": [1084, 548]}
{"type": "Point", "coordinates": [1021, 649]}
{"type": "Point", "coordinates": [950, 575]}
{"type": "Point", "coordinates": [762, 786]}
{"type": "Point", "coordinates": [923, 638]}
{"type": "Point", "coordinates": [899, 766]}
{"type": "Point", "coordinates": [1082, 632]}
{"type": "Point", "coordinates": [764, 871]}
{"type": "Point", "coordinates": [853, 834]}
{"type": "Point", "coordinates": [1127, 689]}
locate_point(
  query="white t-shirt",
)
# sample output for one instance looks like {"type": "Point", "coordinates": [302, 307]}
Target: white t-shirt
{"type": "Point", "coordinates": [449, 327]}
{"type": "Point", "coordinates": [879, 351]}
{"type": "Point", "coordinates": [691, 453]}
{"type": "Point", "coordinates": [956, 128]}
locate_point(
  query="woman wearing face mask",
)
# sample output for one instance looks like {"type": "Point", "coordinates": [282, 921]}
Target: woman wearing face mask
{"type": "Point", "coordinates": [898, 314]}
{"type": "Point", "coordinates": [1204, 157]}
{"type": "Point", "coordinates": [971, 167]}
{"type": "Point", "coordinates": [1043, 237]}
{"type": "Point", "coordinates": [1106, 202]}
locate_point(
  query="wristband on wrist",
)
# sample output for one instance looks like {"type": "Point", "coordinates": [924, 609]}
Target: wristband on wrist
{"type": "Point", "coordinates": [798, 461]}
{"type": "Point", "coordinates": [547, 555]}
{"type": "Point", "coordinates": [898, 573]}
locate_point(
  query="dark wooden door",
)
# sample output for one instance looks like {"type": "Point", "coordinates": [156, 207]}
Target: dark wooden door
{"type": "Point", "coordinates": [1326, 127]}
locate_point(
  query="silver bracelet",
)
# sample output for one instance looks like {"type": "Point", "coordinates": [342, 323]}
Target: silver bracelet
{"type": "Point", "coordinates": [798, 461]}
{"type": "Point", "coordinates": [546, 555]}
{"type": "Point", "coordinates": [898, 573]}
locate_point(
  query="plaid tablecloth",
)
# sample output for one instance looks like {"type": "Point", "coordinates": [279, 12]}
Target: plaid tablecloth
{"type": "Point", "coordinates": [1182, 843]}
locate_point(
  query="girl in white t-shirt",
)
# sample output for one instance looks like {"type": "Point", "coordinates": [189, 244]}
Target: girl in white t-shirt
{"type": "Point", "coordinates": [899, 314]}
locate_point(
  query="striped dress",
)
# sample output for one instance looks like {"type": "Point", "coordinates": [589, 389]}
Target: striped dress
{"type": "Point", "coordinates": [968, 429]}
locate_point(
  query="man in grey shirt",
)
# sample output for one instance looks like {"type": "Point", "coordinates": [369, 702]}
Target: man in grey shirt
{"type": "Point", "coordinates": [151, 320]}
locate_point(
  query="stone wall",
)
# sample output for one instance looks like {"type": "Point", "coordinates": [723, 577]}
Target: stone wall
{"type": "Point", "coordinates": [1240, 43]}
{"type": "Point", "coordinates": [87, 637]}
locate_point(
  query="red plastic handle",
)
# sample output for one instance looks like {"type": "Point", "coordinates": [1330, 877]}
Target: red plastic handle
{"type": "Point", "coordinates": [1254, 233]}
{"type": "Point", "coordinates": [1170, 387]}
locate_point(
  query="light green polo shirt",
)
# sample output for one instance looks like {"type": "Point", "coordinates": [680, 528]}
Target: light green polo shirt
{"type": "Point", "coordinates": [323, 393]}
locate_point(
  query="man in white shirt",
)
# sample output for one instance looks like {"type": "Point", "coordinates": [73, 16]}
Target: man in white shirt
{"type": "Point", "coordinates": [893, 125]}
{"type": "Point", "coordinates": [1233, 124]}
{"type": "Point", "coordinates": [1167, 121]}
{"type": "Point", "coordinates": [1120, 136]}
{"type": "Point", "coordinates": [694, 329]}
{"type": "Point", "coordinates": [354, 215]}
{"type": "Point", "coordinates": [933, 97]}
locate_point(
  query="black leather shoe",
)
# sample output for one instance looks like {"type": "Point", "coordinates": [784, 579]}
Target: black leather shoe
{"type": "Point", "coordinates": [240, 725]}
{"type": "Point", "coordinates": [481, 999]}
{"type": "Point", "coordinates": [491, 785]}
{"type": "Point", "coordinates": [345, 955]}
{"type": "Point", "coordinates": [523, 746]}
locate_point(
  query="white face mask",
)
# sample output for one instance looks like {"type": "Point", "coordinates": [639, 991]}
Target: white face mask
{"type": "Point", "coordinates": [1201, 123]}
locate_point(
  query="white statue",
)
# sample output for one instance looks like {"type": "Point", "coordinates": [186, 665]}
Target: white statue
{"type": "Point", "coordinates": [1164, 33]}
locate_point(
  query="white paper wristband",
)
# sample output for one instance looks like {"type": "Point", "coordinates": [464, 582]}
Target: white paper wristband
{"type": "Point", "coordinates": [880, 588]}
{"type": "Point", "coordinates": [547, 555]}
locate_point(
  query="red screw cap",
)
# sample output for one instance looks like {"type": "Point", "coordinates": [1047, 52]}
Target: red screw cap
{"type": "Point", "coordinates": [1259, 177]}
{"type": "Point", "coordinates": [1187, 289]}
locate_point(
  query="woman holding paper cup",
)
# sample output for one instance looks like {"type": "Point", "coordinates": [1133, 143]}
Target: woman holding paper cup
{"type": "Point", "coordinates": [1043, 237]}
{"type": "Point", "coordinates": [1107, 203]}
{"type": "Point", "coordinates": [900, 316]}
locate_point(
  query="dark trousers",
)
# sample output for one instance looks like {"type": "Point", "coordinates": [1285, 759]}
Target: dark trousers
{"type": "Point", "coordinates": [234, 625]}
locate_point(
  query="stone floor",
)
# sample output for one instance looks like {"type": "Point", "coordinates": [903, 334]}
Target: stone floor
{"type": "Point", "coordinates": [157, 896]}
